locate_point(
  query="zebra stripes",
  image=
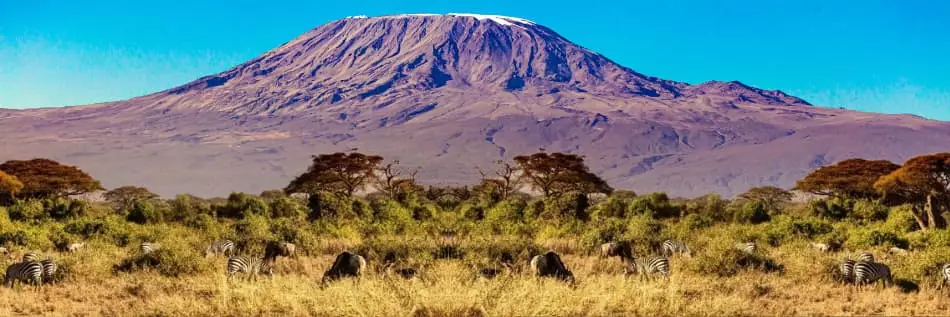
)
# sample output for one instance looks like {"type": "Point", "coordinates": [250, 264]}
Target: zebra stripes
{"type": "Point", "coordinates": [225, 247]}
{"type": "Point", "coordinates": [49, 270]}
{"type": "Point", "coordinates": [865, 256]}
{"type": "Point", "coordinates": [249, 266]}
{"type": "Point", "coordinates": [671, 247]}
{"type": "Point", "coordinates": [747, 247]}
{"type": "Point", "coordinates": [869, 272]}
{"type": "Point", "coordinates": [647, 266]}
{"type": "Point", "coordinates": [147, 248]}
{"type": "Point", "coordinates": [30, 256]}
{"type": "Point", "coordinates": [27, 272]}
{"type": "Point", "coordinates": [945, 271]}
{"type": "Point", "coordinates": [847, 270]}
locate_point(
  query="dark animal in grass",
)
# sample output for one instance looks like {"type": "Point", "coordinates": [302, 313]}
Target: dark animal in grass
{"type": "Point", "coordinates": [615, 249]}
{"type": "Point", "coordinates": [549, 264]}
{"type": "Point", "coordinates": [273, 249]}
{"type": "Point", "coordinates": [346, 265]}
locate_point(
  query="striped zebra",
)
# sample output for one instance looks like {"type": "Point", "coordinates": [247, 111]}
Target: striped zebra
{"type": "Point", "coordinates": [225, 247]}
{"type": "Point", "coordinates": [671, 247]}
{"type": "Point", "coordinates": [147, 248]}
{"type": "Point", "coordinates": [30, 256]}
{"type": "Point", "coordinates": [747, 247]}
{"type": "Point", "coordinates": [847, 270]}
{"type": "Point", "coordinates": [26, 272]}
{"type": "Point", "coordinates": [249, 266]}
{"type": "Point", "coordinates": [647, 266]}
{"type": "Point", "coordinates": [869, 272]}
{"type": "Point", "coordinates": [865, 256]}
{"type": "Point", "coordinates": [945, 271]}
{"type": "Point", "coordinates": [49, 270]}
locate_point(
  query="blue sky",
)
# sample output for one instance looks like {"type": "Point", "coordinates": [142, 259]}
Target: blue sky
{"type": "Point", "coordinates": [884, 56]}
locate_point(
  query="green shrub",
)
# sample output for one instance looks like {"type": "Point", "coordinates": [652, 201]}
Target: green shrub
{"type": "Point", "coordinates": [866, 237]}
{"type": "Point", "coordinates": [924, 267]}
{"type": "Point", "coordinates": [656, 205]}
{"type": "Point", "coordinates": [749, 212]}
{"type": "Point", "coordinates": [723, 259]}
{"type": "Point", "coordinates": [144, 212]}
{"type": "Point", "coordinates": [611, 207]}
{"type": "Point", "coordinates": [175, 258]}
{"type": "Point", "coordinates": [901, 219]}
{"type": "Point", "coordinates": [62, 208]}
{"type": "Point", "coordinates": [27, 210]}
{"type": "Point", "coordinates": [869, 210]}
{"type": "Point", "coordinates": [835, 208]}
{"type": "Point", "coordinates": [286, 207]}
{"type": "Point", "coordinates": [510, 210]}
{"type": "Point", "coordinates": [252, 233]}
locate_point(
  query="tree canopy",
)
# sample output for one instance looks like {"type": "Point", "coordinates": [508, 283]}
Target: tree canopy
{"type": "Point", "coordinates": [339, 173]}
{"type": "Point", "coordinates": [853, 178]}
{"type": "Point", "coordinates": [771, 197]}
{"type": "Point", "coordinates": [47, 178]}
{"type": "Point", "coordinates": [125, 197]}
{"type": "Point", "coordinates": [9, 185]}
{"type": "Point", "coordinates": [923, 181]}
{"type": "Point", "coordinates": [555, 174]}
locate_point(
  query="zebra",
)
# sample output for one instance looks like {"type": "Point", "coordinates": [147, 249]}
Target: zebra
{"type": "Point", "coordinates": [147, 248]}
{"type": "Point", "coordinates": [49, 270]}
{"type": "Point", "coordinates": [868, 272]}
{"type": "Point", "coordinates": [671, 247]}
{"type": "Point", "coordinates": [945, 271]}
{"type": "Point", "coordinates": [865, 256]}
{"type": "Point", "coordinates": [847, 270]}
{"type": "Point", "coordinates": [250, 266]}
{"type": "Point", "coordinates": [747, 247]}
{"type": "Point", "coordinates": [30, 256]}
{"type": "Point", "coordinates": [225, 247]}
{"type": "Point", "coordinates": [28, 272]}
{"type": "Point", "coordinates": [648, 265]}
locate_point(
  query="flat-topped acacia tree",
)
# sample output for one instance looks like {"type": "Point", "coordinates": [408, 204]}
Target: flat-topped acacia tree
{"type": "Point", "coordinates": [44, 178]}
{"type": "Point", "coordinates": [342, 174]}
{"type": "Point", "coordinates": [557, 173]}
{"type": "Point", "coordinates": [924, 183]}
{"type": "Point", "coordinates": [852, 178]}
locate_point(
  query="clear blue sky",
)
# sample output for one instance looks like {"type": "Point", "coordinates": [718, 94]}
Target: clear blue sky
{"type": "Point", "coordinates": [885, 56]}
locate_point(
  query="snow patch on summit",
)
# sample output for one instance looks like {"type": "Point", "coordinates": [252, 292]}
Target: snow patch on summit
{"type": "Point", "coordinates": [500, 19]}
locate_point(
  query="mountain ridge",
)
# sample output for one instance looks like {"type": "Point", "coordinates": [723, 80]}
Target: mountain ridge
{"type": "Point", "coordinates": [451, 92]}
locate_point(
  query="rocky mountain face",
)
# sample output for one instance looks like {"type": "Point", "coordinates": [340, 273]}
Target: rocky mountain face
{"type": "Point", "coordinates": [448, 93]}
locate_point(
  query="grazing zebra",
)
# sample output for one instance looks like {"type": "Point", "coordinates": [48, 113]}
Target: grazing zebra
{"type": "Point", "coordinates": [646, 266]}
{"type": "Point", "coordinates": [225, 247]}
{"type": "Point", "coordinates": [75, 247]}
{"type": "Point", "coordinates": [49, 270]}
{"type": "Point", "coordinates": [847, 270]}
{"type": "Point", "coordinates": [147, 248]}
{"type": "Point", "coordinates": [747, 247]}
{"type": "Point", "coordinates": [27, 272]}
{"type": "Point", "coordinates": [821, 247]}
{"type": "Point", "coordinates": [30, 256]}
{"type": "Point", "coordinates": [671, 247]}
{"type": "Point", "coordinates": [250, 266]}
{"type": "Point", "coordinates": [945, 270]}
{"type": "Point", "coordinates": [865, 256]}
{"type": "Point", "coordinates": [868, 272]}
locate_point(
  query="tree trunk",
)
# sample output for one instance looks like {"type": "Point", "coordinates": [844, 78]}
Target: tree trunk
{"type": "Point", "coordinates": [929, 207]}
{"type": "Point", "coordinates": [920, 222]}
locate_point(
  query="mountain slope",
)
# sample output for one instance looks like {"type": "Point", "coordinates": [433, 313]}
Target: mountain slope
{"type": "Point", "coordinates": [449, 92]}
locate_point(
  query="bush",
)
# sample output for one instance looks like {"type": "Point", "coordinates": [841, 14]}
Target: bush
{"type": "Point", "coordinates": [27, 210]}
{"type": "Point", "coordinates": [723, 259]}
{"type": "Point", "coordinates": [186, 207]}
{"type": "Point", "coordinates": [144, 212]}
{"type": "Point", "coordinates": [656, 205]}
{"type": "Point", "coordinates": [241, 205]}
{"type": "Point", "coordinates": [611, 207]}
{"type": "Point", "coordinates": [510, 210]}
{"type": "Point", "coordinates": [924, 267]}
{"type": "Point", "coordinates": [749, 212]}
{"type": "Point", "coordinates": [62, 208]}
{"type": "Point", "coordinates": [286, 207]}
{"type": "Point", "coordinates": [901, 219]}
{"type": "Point", "coordinates": [112, 229]}
{"type": "Point", "coordinates": [869, 210]}
{"type": "Point", "coordinates": [175, 258]}
{"type": "Point", "coordinates": [866, 237]}
{"type": "Point", "coordinates": [252, 233]}
{"type": "Point", "coordinates": [835, 208]}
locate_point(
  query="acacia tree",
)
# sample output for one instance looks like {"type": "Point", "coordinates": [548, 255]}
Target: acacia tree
{"type": "Point", "coordinates": [853, 178]}
{"type": "Point", "coordinates": [396, 182]}
{"type": "Point", "coordinates": [125, 197]}
{"type": "Point", "coordinates": [555, 174]}
{"type": "Point", "coordinates": [923, 182]}
{"type": "Point", "coordinates": [506, 179]}
{"type": "Point", "coordinates": [771, 197]}
{"type": "Point", "coordinates": [339, 173]}
{"type": "Point", "coordinates": [9, 186]}
{"type": "Point", "coordinates": [44, 178]}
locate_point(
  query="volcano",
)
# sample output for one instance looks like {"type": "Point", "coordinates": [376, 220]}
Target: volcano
{"type": "Point", "coordinates": [449, 93]}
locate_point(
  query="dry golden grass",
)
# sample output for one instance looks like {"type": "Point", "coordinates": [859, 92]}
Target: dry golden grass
{"type": "Point", "coordinates": [450, 287]}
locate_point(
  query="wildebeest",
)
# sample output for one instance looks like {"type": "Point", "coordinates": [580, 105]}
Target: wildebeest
{"type": "Point", "coordinates": [273, 249]}
{"type": "Point", "coordinates": [550, 264]}
{"type": "Point", "coordinates": [346, 265]}
{"type": "Point", "coordinates": [618, 249]}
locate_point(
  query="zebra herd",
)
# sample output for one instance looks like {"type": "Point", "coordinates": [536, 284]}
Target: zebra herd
{"type": "Point", "coordinates": [865, 270]}
{"type": "Point", "coordinates": [31, 270]}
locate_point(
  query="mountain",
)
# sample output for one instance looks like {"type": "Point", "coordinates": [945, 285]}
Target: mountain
{"type": "Point", "coordinates": [449, 92]}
